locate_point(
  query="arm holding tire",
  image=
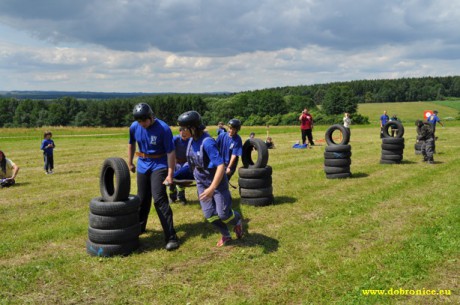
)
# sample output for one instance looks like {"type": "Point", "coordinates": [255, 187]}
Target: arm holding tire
{"type": "Point", "coordinates": [131, 152]}
{"type": "Point", "coordinates": [209, 192]}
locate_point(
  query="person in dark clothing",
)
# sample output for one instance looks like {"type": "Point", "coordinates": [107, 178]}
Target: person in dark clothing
{"type": "Point", "coordinates": [426, 136]}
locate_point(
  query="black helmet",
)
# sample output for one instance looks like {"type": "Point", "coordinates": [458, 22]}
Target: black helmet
{"type": "Point", "coordinates": [419, 123]}
{"type": "Point", "coordinates": [142, 111]}
{"type": "Point", "coordinates": [190, 119]}
{"type": "Point", "coordinates": [235, 123]}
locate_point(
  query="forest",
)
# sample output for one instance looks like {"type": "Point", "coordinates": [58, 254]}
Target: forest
{"type": "Point", "coordinates": [272, 106]}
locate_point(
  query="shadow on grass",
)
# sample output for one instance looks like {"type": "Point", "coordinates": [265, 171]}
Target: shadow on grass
{"type": "Point", "coordinates": [408, 162]}
{"type": "Point", "coordinates": [359, 175]}
{"type": "Point", "coordinates": [268, 244]}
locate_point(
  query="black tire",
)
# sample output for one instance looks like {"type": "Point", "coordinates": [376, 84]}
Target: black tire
{"type": "Point", "coordinates": [391, 157]}
{"type": "Point", "coordinates": [117, 236]}
{"type": "Point", "coordinates": [115, 169]}
{"type": "Point", "coordinates": [338, 176]}
{"type": "Point", "coordinates": [387, 126]}
{"type": "Point", "coordinates": [337, 162]}
{"type": "Point", "coordinates": [255, 183]}
{"type": "Point", "coordinates": [418, 146]}
{"type": "Point", "coordinates": [337, 155]}
{"type": "Point", "coordinates": [254, 173]}
{"type": "Point", "coordinates": [262, 153]}
{"type": "Point", "coordinates": [393, 146]}
{"type": "Point", "coordinates": [392, 152]}
{"type": "Point", "coordinates": [343, 130]}
{"type": "Point", "coordinates": [389, 162]}
{"type": "Point", "coordinates": [338, 148]}
{"type": "Point", "coordinates": [392, 140]}
{"type": "Point", "coordinates": [101, 207]}
{"type": "Point", "coordinates": [258, 202]}
{"type": "Point", "coordinates": [336, 169]}
{"type": "Point", "coordinates": [256, 193]}
{"type": "Point", "coordinates": [418, 152]}
{"type": "Point", "coordinates": [113, 222]}
{"type": "Point", "coordinates": [104, 250]}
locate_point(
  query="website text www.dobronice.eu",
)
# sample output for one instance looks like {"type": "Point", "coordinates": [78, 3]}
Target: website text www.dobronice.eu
{"type": "Point", "coordinates": [401, 291]}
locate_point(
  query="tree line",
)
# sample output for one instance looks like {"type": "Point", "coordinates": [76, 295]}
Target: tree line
{"type": "Point", "coordinates": [274, 106]}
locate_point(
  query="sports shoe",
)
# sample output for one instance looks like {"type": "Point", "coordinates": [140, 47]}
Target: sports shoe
{"type": "Point", "coordinates": [181, 197]}
{"type": "Point", "coordinates": [223, 240]}
{"type": "Point", "coordinates": [238, 229]}
{"type": "Point", "coordinates": [173, 196]}
{"type": "Point", "coordinates": [173, 244]}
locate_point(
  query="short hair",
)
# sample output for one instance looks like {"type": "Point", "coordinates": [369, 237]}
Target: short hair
{"type": "Point", "coordinates": [47, 133]}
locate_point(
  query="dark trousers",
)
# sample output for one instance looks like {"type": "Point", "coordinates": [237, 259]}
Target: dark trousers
{"type": "Point", "coordinates": [306, 133]}
{"type": "Point", "coordinates": [150, 185]}
{"type": "Point", "coordinates": [49, 162]}
{"type": "Point", "coordinates": [428, 149]}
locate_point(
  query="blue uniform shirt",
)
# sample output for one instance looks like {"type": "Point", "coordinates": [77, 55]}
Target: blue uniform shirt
{"type": "Point", "coordinates": [181, 148]}
{"type": "Point", "coordinates": [155, 140]}
{"type": "Point", "coordinates": [229, 146]}
{"type": "Point", "coordinates": [384, 118]}
{"type": "Point", "coordinates": [433, 119]}
{"type": "Point", "coordinates": [211, 149]}
{"type": "Point", "coordinates": [49, 150]}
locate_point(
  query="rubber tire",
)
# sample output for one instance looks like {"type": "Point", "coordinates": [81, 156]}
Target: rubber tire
{"type": "Point", "coordinates": [119, 190]}
{"type": "Point", "coordinates": [391, 157]}
{"type": "Point", "coordinates": [336, 169]}
{"type": "Point", "coordinates": [418, 152]}
{"type": "Point", "coordinates": [387, 126]}
{"type": "Point", "coordinates": [337, 162]}
{"type": "Point", "coordinates": [258, 202]}
{"type": "Point", "coordinates": [254, 173]}
{"type": "Point", "coordinates": [343, 130]}
{"type": "Point", "coordinates": [113, 222]}
{"type": "Point", "coordinates": [393, 146]}
{"type": "Point", "coordinates": [101, 207]}
{"type": "Point", "coordinates": [255, 183]}
{"type": "Point", "coordinates": [256, 193]}
{"type": "Point", "coordinates": [338, 148]}
{"type": "Point", "coordinates": [116, 236]}
{"type": "Point", "coordinates": [262, 152]}
{"type": "Point", "coordinates": [418, 146]}
{"type": "Point", "coordinates": [338, 176]}
{"type": "Point", "coordinates": [103, 250]}
{"type": "Point", "coordinates": [392, 140]}
{"type": "Point", "coordinates": [392, 152]}
{"type": "Point", "coordinates": [337, 155]}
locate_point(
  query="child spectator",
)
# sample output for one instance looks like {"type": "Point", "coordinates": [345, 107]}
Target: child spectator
{"type": "Point", "coordinates": [48, 147]}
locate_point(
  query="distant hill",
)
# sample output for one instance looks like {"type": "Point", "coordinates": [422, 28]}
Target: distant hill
{"type": "Point", "coordinates": [84, 95]}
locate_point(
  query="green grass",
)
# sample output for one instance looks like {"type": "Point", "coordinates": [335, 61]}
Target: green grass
{"type": "Point", "coordinates": [409, 112]}
{"type": "Point", "coordinates": [390, 226]}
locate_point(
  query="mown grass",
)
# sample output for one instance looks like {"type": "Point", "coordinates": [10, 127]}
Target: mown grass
{"type": "Point", "coordinates": [390, 226]}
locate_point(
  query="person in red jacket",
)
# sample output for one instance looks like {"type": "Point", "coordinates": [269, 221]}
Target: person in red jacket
{"type": "Point", "coordinates": [306, 126]}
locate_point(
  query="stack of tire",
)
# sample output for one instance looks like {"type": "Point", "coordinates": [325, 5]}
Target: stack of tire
{"type": "Point", "coordinates": [392, 147]}
{"type": "Point", "coordinates": [114, 226]}
{"type": "Point", "coordinates": [337, 156]}
{"type": "Point", "coordinates": [255, 177]}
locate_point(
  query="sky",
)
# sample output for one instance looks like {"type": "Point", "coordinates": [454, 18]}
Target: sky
{"type": "Point", "coordinates": [222, 45]}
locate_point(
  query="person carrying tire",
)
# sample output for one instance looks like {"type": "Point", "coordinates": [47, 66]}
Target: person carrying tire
{"type": "Point", "coordinates": [155, 168]}
{"type": "Point", "coordinates": [208, 168]}
{"type": "Point", "coordinates": [182, 170]}
{"type": "Point", "coordinates": [306, 127]}
{"type": "Point", "coordinates": [8, 171]}
{"type": "Point", "coordinates": [231, 146]}
{"type": "Point", "coordinates": [426, 136]}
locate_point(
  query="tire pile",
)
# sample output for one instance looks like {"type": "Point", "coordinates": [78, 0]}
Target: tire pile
{"type": "Point", "coordinates": [114, 226]}
{"type": "Point", "coordinates": [392, 147]}
{"type": "Point", "coordinates": [255, 178]}
{"type": "Point", "coordinates": [337, 156]}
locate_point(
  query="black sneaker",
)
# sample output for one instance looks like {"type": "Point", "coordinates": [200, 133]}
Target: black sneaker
{"type": "Point", "coordinates": [173, 244]}
{"type": "Point", "coordinates": [172, 197]}
{"type": "Point", "coordinates": [181, 197]}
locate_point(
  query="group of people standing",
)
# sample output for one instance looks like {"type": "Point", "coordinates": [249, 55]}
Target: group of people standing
{"type": "Point", "coordinates": [211, 162]}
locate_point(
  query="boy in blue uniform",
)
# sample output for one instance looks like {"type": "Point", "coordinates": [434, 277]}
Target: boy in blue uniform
{"type": "Point", "coordinates": [230, 146]}
{"type": "Point", "coordinates": [48, 147]}
{"type": "Point", "coordinates": [212, 185]}
{"type": "Point", "coordinates": [433, 119]}
{"type": "Point", "coordinates": [384, 118]}
{"type": "Point", "coordinates": [182, 171]}
{"type": "Point", "coordinates": [155, 168]}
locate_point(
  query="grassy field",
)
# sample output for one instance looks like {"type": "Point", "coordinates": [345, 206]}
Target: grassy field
{"type": "Point", "coordinates": [389, 227]}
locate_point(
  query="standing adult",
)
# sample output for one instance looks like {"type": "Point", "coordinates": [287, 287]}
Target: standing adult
{"type": "Point", "coordinates": [433, 120]}
{"type": "Point", "coordinates": [231, 146]}
{"type": "Point", "coordinates": [48, 148]}
{"type": "Point", "coordinates": [346, 121]}
{"type": "Point", "coordinates": [384, 118]}
{"type": "Point", "coordinates": [212, 185]}
{"type": "Point", "coordinates": [182, 170]}
{"type": "Point", "coordinates": [306, 126]}
{"type": "Point", "coordinates": [155, 168]}
{"type": "Point", "coordinates": [8, 171]}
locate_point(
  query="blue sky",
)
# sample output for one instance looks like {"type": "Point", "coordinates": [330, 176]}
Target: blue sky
{"type": "Point", "coordinates": [221, 45]}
